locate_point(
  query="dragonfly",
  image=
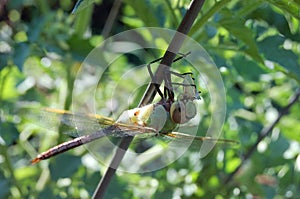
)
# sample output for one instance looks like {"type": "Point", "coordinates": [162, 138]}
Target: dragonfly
{"type": "Point", "coordinates": [153, 120]}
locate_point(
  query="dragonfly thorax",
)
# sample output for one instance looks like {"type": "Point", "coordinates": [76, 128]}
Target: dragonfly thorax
{"type": "Point", "coordinates": [152, 115]}
{"type": "Point", "coordinates": [137, 116]}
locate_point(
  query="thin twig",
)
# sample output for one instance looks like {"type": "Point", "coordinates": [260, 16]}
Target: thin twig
{"type": "Point", "coordinates": [111, 18]}
{"type": "Point", "coordinates": [264, 133]}
{"type": "Point", "coordinates": [168, 57]}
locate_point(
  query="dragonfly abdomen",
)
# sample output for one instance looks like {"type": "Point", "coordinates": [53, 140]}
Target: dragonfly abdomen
{"type": "Point", "coordinates": [68, 145]}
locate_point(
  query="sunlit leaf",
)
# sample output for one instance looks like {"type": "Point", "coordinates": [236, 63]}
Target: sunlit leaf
{"type": "Point", "coordinates": [9, 78]}
{"type": "Point", "coordinates": [271, 48]}
{"type": "Point", "coordinates": [236, 26]}
{"type": "Point", "coordinates": [247, 69]}
{"type": "Point", "coordinates": [291, 7]}
{"type": "Point", "coordinates": [144, 12]}
{"type": "Point", "coordinates": [290, 128]}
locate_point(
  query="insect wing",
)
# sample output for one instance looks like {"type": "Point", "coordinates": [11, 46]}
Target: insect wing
{"type": "Point", "coordinates": [73, 124]}
{"type": "Point", "coordinates": [182, 137]}
{"type": "Point", "coordinates": [190, 90]}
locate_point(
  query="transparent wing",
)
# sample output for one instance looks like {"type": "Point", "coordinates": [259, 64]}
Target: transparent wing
{"type": "Point", "coordinates": [88, 128]}
{"type": "Point", "coordinates": [54, 118]}
{"type": "Point", "coordinates": [182, 137]}
{"type": "Point", "coordinates": [77, 124]}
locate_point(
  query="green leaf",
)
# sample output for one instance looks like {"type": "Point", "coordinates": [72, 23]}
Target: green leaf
{"type": "Point", "coordinates": [276, 150]}
{"type": "Point", "coordinates": [65, 165]}
{"type": "Point", "coordinates": [290, 128]}
{"type": "Point", "coordinates": [144, 10]}
{"type": "Point", "coordinates": [248, 69]}
{"type": "Point", "coordinates": [236, 27]}
{"type": "Point", "coordinates": [9, 78]}
{"type": "Point", "coordinates": [288, 6]}
{"type": "Point", "coordinates": [274, 19]}
{"type": "Point", "coordinates": [4, 187]}
{"type": "Point", "coordinates": [21, 53]}
{"type": "Point", "coordinates": [3, 60]}
{"type": "Point", "coordinates": [82, 21]}
{"type": "Point", "coordinates": [271, 48]}
{"type": "Point", "coordinates": [81, 4]}
{"type": "Point", "coordinates": [47, 193]}
{"type": "Point", "coordinates": [79, 47]}
{"type": "Point", "coordinates": [204, 19]}
{"type": "Point", "coordinates": [9, 132]}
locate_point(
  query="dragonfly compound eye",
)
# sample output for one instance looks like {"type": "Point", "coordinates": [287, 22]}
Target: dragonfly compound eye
{"type": "Point", "coordinates": [190, 110]}
{"type": "Point", "coordinates": [177, 112]}
{"type": "Point", "coordinates": [183, 112]}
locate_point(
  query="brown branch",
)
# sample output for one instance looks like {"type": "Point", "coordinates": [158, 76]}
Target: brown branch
{"type": "Point", "coordinates": [111, 18]}
{"type": "Point", "coordinates": [264, 133]}
{"type": "Point", "coordinates": [168, 57]}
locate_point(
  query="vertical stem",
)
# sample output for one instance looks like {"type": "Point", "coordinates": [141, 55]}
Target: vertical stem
{"type": "Point", "coordinates": [111, 18]}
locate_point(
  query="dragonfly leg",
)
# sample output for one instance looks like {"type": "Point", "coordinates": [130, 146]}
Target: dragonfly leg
{"type": "Point", "coordinates": [153, 79]}
{"type": "Point", "coordinates": [167, 91]}
{"type": "Point", "coordinates": [183, 76]}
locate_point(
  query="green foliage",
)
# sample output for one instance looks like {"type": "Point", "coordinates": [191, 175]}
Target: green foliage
{"type": "Point", "coordinates": [255, 45]}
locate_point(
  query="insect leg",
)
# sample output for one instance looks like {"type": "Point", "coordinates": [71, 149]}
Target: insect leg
{"type": "Point", "coordinates": [167, 91]}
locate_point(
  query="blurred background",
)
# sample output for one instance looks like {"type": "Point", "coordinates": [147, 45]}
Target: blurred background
{"type": "Point", "coordinates": [254, 44]}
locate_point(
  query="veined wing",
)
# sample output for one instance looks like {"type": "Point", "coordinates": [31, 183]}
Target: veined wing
{"type": "Point", "coordinates": [113, 129]}
{"type": "Point", "coordinates": [186, 137]}
{"type": "Point", "coordinates": [87, 123]}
